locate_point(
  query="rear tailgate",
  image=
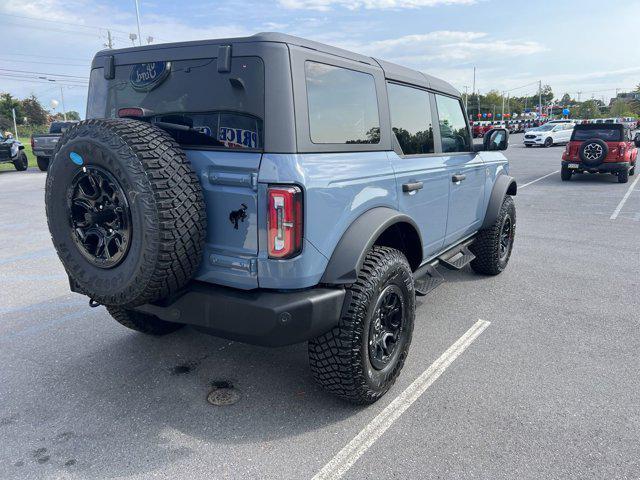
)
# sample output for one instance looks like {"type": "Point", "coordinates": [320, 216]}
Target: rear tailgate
{"type": "Point", "coordinates": [230, 184]}
{"type": "Point", "coordinates": [45, 144]}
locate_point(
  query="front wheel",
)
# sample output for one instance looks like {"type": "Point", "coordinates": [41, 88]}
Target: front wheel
{"type": "Point", "coordinates": [21, 163]}
{"type": "Point", "coordinates": [493, 245]}
{"type": "Point", "coordinates": [548, 142]}
{"type": "Point", "coordinates": [632, 170]}
{"type": "Point", "coordinates": [360, 359]}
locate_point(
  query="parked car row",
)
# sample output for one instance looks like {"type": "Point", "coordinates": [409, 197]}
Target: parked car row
{"type": "Point", "coordinates": [479, 128]}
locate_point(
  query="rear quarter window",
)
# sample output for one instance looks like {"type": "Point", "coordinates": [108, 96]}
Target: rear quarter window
{"type": "Point", "coordinates": [342, 105]}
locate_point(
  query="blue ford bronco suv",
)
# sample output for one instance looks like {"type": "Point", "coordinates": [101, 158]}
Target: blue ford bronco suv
{"type": "Point", "coordinates": [274, 190]}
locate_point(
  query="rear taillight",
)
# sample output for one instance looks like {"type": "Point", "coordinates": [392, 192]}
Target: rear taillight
{"type": "Point", "coordinates": [285, 221]}
{"type": "Point", "coordinates": [621, 150]}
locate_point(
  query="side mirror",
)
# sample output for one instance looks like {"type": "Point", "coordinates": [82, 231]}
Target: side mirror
{"type": "Point", "coordinates": [636, 140]}
{"type": "Point", "coordinates": [496, 139]}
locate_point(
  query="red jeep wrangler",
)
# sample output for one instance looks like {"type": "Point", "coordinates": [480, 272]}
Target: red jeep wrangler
{"type": "Point", "coordinates": [601, 148]}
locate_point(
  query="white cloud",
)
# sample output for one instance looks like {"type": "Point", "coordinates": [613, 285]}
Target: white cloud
{"type": "Point", "coordinates": [324, 5]}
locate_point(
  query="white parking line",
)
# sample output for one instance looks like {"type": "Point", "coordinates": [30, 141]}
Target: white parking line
{"type": "Point", "coordinates": [537, 179]}
{"type": "Point", "coordinates": [346, 457]}
{"type": "Point", "coordinates": [615, 213]}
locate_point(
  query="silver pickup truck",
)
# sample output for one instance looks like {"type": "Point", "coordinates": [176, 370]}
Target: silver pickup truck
{"type": "Point", "coordinates": [43, 145]}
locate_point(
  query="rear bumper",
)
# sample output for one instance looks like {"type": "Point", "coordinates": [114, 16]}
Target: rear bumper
{"type": "Point", "coordinates": [260, 317]}
{"type": "Point", "coordinates": [605, 167]}
{"type": "Point", "coordinates": [41, 152]}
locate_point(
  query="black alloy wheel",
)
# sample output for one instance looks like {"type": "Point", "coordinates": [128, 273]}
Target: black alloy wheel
{"type": "Point", "coordinates": [99, 216]}
{"type": "Point", "coordinates": [506, 237]}
{"type": "Point", "coordinates": [386, 328]}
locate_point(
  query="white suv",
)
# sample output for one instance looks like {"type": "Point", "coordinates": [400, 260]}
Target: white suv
{"type": "Point", "coordinates": [549, 134]}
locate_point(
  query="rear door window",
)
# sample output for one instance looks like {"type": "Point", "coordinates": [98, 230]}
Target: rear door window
{"type": "Point", "coordinates": [454, 132]}
{"type": "Point", "coordinates": [411, 119]}
{"type": "Point", "coordinates": [603, 133]}
{"type": "Point", "coordinates": [342, 105]}
{"type": "Point", "coordinates": [226, 110]}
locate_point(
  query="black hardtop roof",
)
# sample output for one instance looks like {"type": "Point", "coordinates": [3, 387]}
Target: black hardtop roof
{"type": "Point", "coordinates": [391, 70]}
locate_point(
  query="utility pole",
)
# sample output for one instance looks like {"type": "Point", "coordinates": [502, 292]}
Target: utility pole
{"type": "Point", "coordinates": [109, 40]}
{"type": "Point", "coordinates": [502, 105]}
{"type": "Point", "coordinates": [478, 95]}
{"type": "Point", "coordinates": [64, 110]}
{"type": "Point", "coordinates": [540, 98]}
{"type": "Point", "coordinates": [466, 98]}
{"type": "Point", "coordinates": [138, 20]}
{"type": "Point", "coordinates": [15, 126]}
{"type": "Point", "coordinates": [473, 89]}
{"type": "Point", "coordinates": [579, 93]}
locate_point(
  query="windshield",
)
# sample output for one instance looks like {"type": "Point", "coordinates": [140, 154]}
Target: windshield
{"type": "Point", "coordinates": [225, 110]}
{"type": "Point", "coordinates": [606, 134]}
{"type": "Point", "coordinates": [544, 128]}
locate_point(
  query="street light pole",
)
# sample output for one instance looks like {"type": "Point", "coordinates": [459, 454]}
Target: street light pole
{"type": "Point", "coordinates": [138, 20]}
{"type": "Point", "coordinates": [64, 110]}
{"type": "Point", "coordinates": [540, 98]}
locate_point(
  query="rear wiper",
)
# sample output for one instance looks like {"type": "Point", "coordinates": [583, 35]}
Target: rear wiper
{"type": "Point", "coordinates": [176, 126]}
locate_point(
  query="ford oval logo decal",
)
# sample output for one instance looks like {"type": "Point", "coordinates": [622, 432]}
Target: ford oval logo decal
{"type": "Point", "coordinates": [147, 76]}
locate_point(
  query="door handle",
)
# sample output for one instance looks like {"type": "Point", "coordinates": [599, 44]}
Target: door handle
{"type": "Point", "coordinates": [412, 186]}
{"type": "Point", "coordinates": [458, 177]}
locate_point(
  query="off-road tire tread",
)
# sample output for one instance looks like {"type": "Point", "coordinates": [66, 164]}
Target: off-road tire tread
{"type": "Point", "coordinates": [43, 163]}
{"type": "Point", "coordinates": [21, 163]}
{"type": "Point", "coordinates": [335, 357]}
{"type": "Point", "coordinates": [623, 176]}
{"type": "Point", "coordinates": [173, 255]}
{"type": "Point", "coordinates": [486, 246]}
{"type": "Point", "coordinates": [142, 322]}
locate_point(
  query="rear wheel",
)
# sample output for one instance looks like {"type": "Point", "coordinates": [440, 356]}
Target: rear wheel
{"type": "Point", "coordinates": [493, 245]}
{"type": "Point", "coordinates": [43, 163]}
{"type": "Point", "coordinates": [623, 176]}
{"type": "Point", "coordinates": [528, 145]}
{"type": "Point", "coordinates": [360, 359]}
{"type": "Point", "coordinates": [22, 162]}
{"type": "Point", "coordinates": [632, 170]}
{"type": "Point", "coordinates": [125, 210]}
{"type": "Point", "coordinates": [142, 322]}
{"type": "Point", "coordinates": [565, 174]}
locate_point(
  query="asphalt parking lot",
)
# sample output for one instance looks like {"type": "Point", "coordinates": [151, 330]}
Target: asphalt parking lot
{"type": "Point", "coordinates": [548, 389]}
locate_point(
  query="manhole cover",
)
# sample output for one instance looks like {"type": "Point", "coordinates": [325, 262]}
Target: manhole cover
{"type": "Point", "coordinates": [223, 396]}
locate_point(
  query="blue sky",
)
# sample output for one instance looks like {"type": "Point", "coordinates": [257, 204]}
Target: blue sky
{"type": "Point", "coordinates": [588, 46]}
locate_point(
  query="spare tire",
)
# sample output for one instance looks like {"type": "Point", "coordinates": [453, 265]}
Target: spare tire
{"type": "Point", "coordinates": [125, 211]}
{"type": "Point", "coordinates": [593, 152]}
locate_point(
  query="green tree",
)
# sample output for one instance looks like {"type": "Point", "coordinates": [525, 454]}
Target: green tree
{"type": "Point", "coordinates": [566, 99]}
{"type": "Point", "coordinates": [7, 103]}
{"type": "Point", "coordinates": [34, 111]}
{"type": "Point", "coordinates": [620, 108]}
{"type": "Point", "coordinates": [588, 109]}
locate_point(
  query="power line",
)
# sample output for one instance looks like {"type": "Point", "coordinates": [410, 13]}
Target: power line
{"type": "Point", "coordinates": [44, 73]}
{"type": "Point", "coordinates": [43, 56]}
{"type": "Point", "coordinates": [35, 62]}
{"type": "Point", "coordinates": [58, 22]}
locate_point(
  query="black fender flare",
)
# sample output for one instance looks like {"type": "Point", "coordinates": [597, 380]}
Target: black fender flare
{"type": "Point", "coordinates": [349, 254]}
{"type": "Point", "coordinates": [503, 186]}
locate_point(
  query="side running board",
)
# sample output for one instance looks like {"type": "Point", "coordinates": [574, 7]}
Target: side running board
{"type": "Point", "coordinates": [427, 277]}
